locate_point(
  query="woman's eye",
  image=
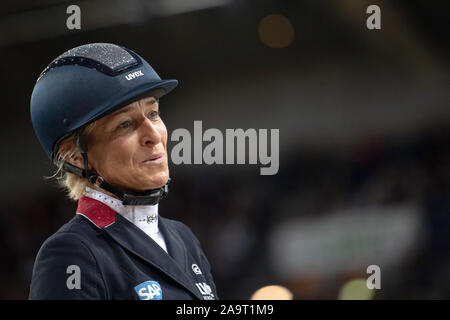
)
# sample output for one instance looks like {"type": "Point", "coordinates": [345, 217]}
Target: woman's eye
{"type": "Point", "coordinates": [124, 125]}
{"type": "Point", "coordinates": [153, 115]}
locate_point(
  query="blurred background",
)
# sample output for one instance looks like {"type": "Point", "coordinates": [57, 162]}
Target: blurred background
{"type": "Point", "coordinates": [364, 120]}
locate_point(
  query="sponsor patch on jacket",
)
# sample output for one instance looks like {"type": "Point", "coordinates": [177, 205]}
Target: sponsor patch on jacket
{"type": "Point", "coordinates": [205, 291]}
{"type": "Point", "coordinates": [149, 290]}
{"type": "Point", "coordinates": [196, 269]}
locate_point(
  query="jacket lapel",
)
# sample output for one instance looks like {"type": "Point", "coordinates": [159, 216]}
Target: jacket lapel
{"type": "Point", "coordinates": [175, 244]}
{"type": "Point", "coordinates": [133, 239]}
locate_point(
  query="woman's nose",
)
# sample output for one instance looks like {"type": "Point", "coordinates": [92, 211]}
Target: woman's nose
{"type": "Point", "coordinates": [149, 133]}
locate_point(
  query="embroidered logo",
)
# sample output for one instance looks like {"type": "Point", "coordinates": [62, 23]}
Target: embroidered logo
{"type": "Point", "coordinates": [196, 269]}
{"type": "Point", "coordinates": [205, 290]}
{"type": "Point", "coordinates": [149, 290]}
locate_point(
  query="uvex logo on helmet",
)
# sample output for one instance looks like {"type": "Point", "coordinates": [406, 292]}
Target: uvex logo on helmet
{"type": "Point", "coordinates": [133, 75]}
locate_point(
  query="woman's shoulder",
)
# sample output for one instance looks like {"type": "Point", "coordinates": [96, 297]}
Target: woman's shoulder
{"type": "Point", "coordinates": [75, 233]}
{"type": "Point", "coordinates": [64, 238]}
{"type": "Point", "coordinates": [67, 251]}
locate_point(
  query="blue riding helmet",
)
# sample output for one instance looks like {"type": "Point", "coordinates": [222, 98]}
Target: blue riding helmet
{"type": "Point", "coordinates": [84, 84]}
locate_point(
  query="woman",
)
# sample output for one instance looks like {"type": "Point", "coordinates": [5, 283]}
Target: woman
{"type": "Point", "coordinates": [95, 110]}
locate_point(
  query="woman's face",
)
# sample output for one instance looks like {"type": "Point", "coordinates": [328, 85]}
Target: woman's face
{"type": "Point", "coordinates": [128, 148]}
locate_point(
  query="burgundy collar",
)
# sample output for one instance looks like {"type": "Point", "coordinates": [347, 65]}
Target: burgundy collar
{"type": "Point", "coordinates": [95, 211]}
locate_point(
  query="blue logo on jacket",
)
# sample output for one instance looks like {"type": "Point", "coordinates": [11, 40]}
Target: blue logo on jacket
{"type": "Point", "coordinates": [149, 290]}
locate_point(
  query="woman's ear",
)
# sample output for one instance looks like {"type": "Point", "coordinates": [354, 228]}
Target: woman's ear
{"type": "Point", "coordinates": [70, 153]}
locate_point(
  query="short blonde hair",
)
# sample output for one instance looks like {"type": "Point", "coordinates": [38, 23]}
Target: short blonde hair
{"type": "Point", "coordinates": [73, 185]}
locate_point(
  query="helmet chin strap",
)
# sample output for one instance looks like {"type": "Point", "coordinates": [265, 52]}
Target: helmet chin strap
{"type": "Point", "coordinates": [128, 197]}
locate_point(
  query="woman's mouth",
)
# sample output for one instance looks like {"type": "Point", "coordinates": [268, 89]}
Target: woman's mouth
{"type": "Point", "coordinates": [155, 159]}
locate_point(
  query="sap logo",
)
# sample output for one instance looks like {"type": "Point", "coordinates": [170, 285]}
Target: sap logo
{"type": "Point", "coordinates": [149, 290]}
{"type": "Point", "coordinates": [196, 269]}
{"type": "Point", "coordinates": [133, 75]}
{"type": "Point", "coordinates": [205, 290]}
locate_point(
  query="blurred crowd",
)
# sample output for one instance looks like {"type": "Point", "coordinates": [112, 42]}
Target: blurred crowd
{"type": "Point", "coordinates": [234, 214]}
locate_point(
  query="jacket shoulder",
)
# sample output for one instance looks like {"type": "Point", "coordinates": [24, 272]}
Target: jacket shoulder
{"type": "Point", "coordinates": [65, 266]}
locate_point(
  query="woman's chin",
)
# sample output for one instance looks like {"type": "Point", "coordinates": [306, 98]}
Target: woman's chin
{"type": "Point", "coordinates": [158, 181]}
